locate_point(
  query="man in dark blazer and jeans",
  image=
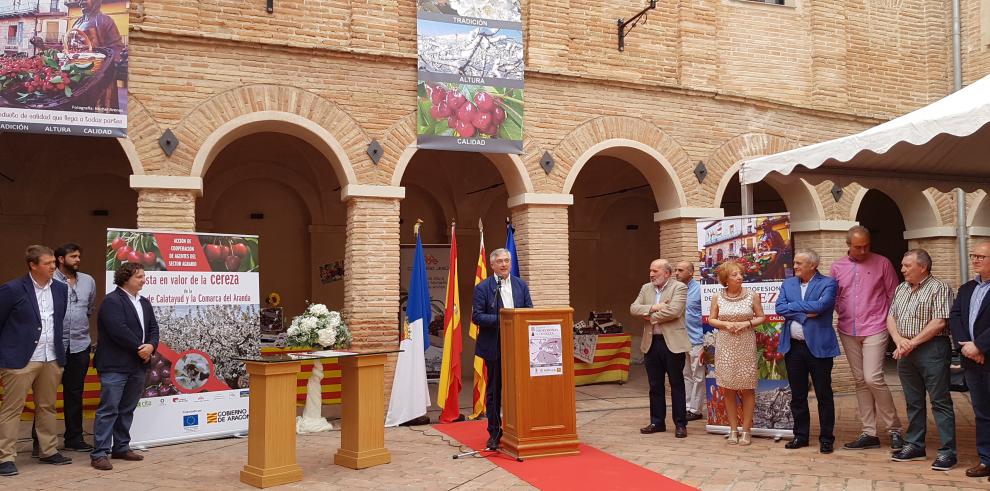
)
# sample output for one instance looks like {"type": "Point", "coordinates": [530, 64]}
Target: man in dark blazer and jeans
{"type": "Point", "coordinates": [501, 290]}
{"type": "Point", "coordinates": [128, 336]}
{"type": "Point", "coordinates": [969, 320]}
{"type": "Point", "coordinates": [32, 309]}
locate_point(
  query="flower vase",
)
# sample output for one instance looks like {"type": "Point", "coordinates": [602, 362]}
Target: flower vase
{"type": "Point", "coordinates": [312, 420]}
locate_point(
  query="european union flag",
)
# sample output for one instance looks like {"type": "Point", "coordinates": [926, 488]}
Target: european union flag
{"type": "Point", "coordinates": [190, 420]}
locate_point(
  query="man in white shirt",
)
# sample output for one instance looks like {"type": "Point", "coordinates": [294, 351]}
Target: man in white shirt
{"type": "Point", "coordinates": [32, 310]}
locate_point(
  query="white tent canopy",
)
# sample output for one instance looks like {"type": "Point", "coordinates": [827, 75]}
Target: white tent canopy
{"type": "Point", "coordinates": [943, 145]}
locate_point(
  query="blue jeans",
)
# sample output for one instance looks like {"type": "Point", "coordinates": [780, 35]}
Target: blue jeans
{"type": "Point", "coordinates": [119, 396]}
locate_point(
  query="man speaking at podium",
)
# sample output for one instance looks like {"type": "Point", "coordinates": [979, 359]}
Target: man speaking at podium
{"type": "Point", "coordinates": [498, 291]}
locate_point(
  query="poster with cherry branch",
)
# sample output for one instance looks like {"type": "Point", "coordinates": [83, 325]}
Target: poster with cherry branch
{"type": "Point", "coordinates": [470, 64]}
{"type": "Point", "coordinates": [204, 290]}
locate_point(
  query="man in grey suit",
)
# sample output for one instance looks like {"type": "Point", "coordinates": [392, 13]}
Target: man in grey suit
{"type": "Point", "coordinates": [661, 303]}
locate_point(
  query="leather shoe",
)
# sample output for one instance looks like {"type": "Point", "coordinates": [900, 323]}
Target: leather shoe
{"type": "Point", "coordinates": [795, 444]}
{"type": "Point", "coordinates": [826, 447]}
{"type": "Point", "coordinates": [102, 464]}
{"type": "Point", "coordinates": [693, 416]}
{"type": "Point", "coordinates": [652, 428]}
{"type": "Point", "coordinates": [128, 455]}
{"type": "Point", "coordinates": [680, 432]}
{"type": "Point", "coordinates": [979, 470]}
{"type": "Point", "coordinates": [492, 444]}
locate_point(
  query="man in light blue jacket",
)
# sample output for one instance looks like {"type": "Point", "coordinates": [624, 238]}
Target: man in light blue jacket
{"type": "Point", "coordinates": [809, 344]}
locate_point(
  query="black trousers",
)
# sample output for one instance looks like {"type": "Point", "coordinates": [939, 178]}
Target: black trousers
{"type": "Point", "coordinates": [493, 398]}
{"type": "Point", "coordinates": [73, 381]}
{"type": "Point", "coordinates": [660, 361]}
{"type": "Point", "coordinates": [800, 365]}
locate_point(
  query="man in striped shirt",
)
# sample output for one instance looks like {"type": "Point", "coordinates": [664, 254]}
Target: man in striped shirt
{"type": "Point", "coordinates": [918, 324]}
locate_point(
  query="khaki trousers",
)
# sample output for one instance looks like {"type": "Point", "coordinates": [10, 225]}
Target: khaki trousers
{"type": "Point", "coordinates": [43, 379]}
{"type": "Point", "coordinates": [866, 355]}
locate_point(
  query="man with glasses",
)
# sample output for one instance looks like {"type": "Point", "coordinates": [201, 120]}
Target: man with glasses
{"type": "Point", "coordinates": [970, 323]}
{"type": "Point", "coordinates": [76, 340]}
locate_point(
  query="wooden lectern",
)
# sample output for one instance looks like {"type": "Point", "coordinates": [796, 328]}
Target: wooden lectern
{"type": "Point", "coordinates": [538, 409]}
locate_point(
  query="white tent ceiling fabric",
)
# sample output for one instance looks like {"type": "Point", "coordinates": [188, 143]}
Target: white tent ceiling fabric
{"type": "Point", "coordinates": [944, 145]}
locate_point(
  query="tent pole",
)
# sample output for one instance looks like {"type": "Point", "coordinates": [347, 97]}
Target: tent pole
{"type": "Point", "coordinates": [962, 232]}
{"type": "Point", "coordinates": [746, 196]}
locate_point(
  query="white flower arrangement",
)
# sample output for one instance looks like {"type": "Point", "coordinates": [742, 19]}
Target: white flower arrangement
{"type": "Point", "coordinates": [318, 326]}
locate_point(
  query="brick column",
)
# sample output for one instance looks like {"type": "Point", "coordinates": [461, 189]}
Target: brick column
{"type": "Point", "coordinates": [542, 245]}
{"type": "Point", "coordinates": [371, 270]}
{"type": "Point", "coordinates": [167, 202]}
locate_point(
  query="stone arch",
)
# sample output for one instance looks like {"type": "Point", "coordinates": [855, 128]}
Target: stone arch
{"type": "Point", "coordinates": [400, 142]}
{"type": "Point", "coordinates": [249, 109]}
{"type": "Point", "coordinates": [291, 180]}
{"type": "Point", "coordinates": [918, 208]}
{"type": "Point", "coordinates": [979, 212]}
{"type": "Point", "coordinates": [640, 143]}
{"type": "Point", "coordinates": [141, 145]}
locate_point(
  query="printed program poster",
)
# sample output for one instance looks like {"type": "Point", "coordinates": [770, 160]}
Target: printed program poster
{"type": "Point", "coordinates": [63, 70]}
{"type": "Point", "coordinates": [762, 245]}
{"type": "Point", "coordinates": [545, 350]}
{"type": "Point", "coordinates": [204, 291]}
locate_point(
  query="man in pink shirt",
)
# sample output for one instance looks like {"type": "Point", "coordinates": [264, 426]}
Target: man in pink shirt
{"type": "Point", "coordinates": [866, 288]}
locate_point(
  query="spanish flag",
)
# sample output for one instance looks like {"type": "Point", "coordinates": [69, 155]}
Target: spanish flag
{"type": "Point", "coordinates": [450, 371]}
{"type": "Point", "coordinates": [480, 371]}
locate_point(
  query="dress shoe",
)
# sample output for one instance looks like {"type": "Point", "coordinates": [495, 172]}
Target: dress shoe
{"type": "Point", "coordinates": [680, 432]}
{"type": "Point", "coordinates": [128, 455]}
{"type": "Point", "coordinates": [795, 444]}
{"type": "Point", "coordinates": [980, 470]}
{"type": "Point", "coordinates": [102, 464]}
{"type": "Point", "coordinates": [826, 447]}
{"type": "Point", "coordinates": [866, 441]}
{"type": "Point", "coordinates": [944, 462]}
{"type": "Point", "coordinates": [693, 416]}
{"type": "Point", "coordinates": [908, 453]}
{"type": "Point", "coordinates": [79, 447]}
{"type": "Point", "coordinates": [8, 469]}
{"type": "Point", "coordinates": [652, 428]}
{"type": "Point", "coordinates": [55, 459]}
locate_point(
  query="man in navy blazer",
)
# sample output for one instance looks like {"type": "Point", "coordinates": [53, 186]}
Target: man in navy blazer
{"type": "Point", "coordinates": [969, 320]}
{"type": "Point", "coordinates": [128, 336]}
{"type": "Point", "coordinates": [501, 290]}
{"type": "Point", "coordinates": [32, 309]}
{"type": "Point", "coordinates": [808, 342]}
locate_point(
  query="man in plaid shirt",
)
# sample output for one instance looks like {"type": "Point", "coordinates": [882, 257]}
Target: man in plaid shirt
{"type": "Point", "coordinates": [918, 324]}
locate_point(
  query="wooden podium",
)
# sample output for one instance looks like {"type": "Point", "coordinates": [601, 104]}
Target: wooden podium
{"type": "Point", "coordinates": [538, 410]}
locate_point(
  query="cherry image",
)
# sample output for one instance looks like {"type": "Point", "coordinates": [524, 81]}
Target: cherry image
{"type": "Point", "coordinates": [437, 95]}
{"type": "Point", "coordinates": [440, 111]}
{"type": "Point", "coordinates": [212, 252]}
{"type": "Point", "coordinates": [464, 129]}
{"type": "Point", "coordinates": [498, 115]}
{"type": "Point", "coordinates": [482, 120]}
{"type": "Point", "coordinates": [134, 257]}
{"type": "Point", "coordinates": [225, 251]}
{"type": "Point", "coordinates": [149, 258]}
{"type": "Point", "coordinates": [484, 101]}
{"type": "Point", "coordinates": [240, 250]}
{"type": "Point", "coordinates": [233, 263]}
{"type": "Point", "coordinates": [455, 100]}
{"type": "Point", "coordinates": [117, 243]}
{"type": "Point", "coordinates": [122, 253]}
{"type": "Point", "coordinates": [466, 114]}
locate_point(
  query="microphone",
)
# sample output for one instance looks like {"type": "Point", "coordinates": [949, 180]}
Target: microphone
{"type": "Point", "coordinates": [498, 283]}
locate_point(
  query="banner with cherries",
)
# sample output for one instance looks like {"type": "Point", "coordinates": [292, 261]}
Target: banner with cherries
{"type": "Point", "coordinates": [205, 295]}
{"type": "Point", "coordinates": [470, 93]}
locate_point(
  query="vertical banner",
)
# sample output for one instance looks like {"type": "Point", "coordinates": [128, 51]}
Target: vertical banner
{"type": "Point", "coordinates": [762, 245]}
{"type": "Point", "coordinates": [204, 291]}
{"type": "Point", "coordinates": [437, 265]}
{"type": "Point", "coordinates": [64, 71]}
{"type": "Point", "coordinates": [470, 93]}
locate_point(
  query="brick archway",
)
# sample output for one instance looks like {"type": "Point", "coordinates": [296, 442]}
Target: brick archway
{"type": "Point", "coordinates": [801, 198]}
{"type": "Point", "coordinates": [642, 144]}
{"type": "Point", "coordinates": [917, 207]}
{"type": "Point", "coordinates": [141, 145]}
{"type": "Point", "coordinates": [400, 147]}
{"type": "Point", "coordinates": [258, 108]}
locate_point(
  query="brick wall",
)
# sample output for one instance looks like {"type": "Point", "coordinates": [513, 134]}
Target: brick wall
{"type": "Point", "coordinates": [160, 209]}
{"type": "Point", "coordinates": [542, 246]}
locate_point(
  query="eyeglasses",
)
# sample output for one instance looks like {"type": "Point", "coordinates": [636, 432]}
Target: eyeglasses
{"type": "Point", "coordinates": [977, 257]}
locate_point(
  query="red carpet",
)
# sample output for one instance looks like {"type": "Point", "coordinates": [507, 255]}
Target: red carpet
{"type": "Point", "coordinates": [591, 469]}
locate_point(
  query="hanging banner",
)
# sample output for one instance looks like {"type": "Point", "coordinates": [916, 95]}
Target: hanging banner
{"type": "Point", "coordinates": [437, 264]}
{"type": "Point", "coordinates": [204, 291]}
{"type": "Point", "coordinates": [64, 72]}
{"type": "Point", "coordinates": [762, 245]}
{"type": "Point", "coordinates": [470, 94]}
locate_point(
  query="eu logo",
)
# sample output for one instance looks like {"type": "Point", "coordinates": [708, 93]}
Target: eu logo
{"type": "Point", "coordinates": [190, 420]}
